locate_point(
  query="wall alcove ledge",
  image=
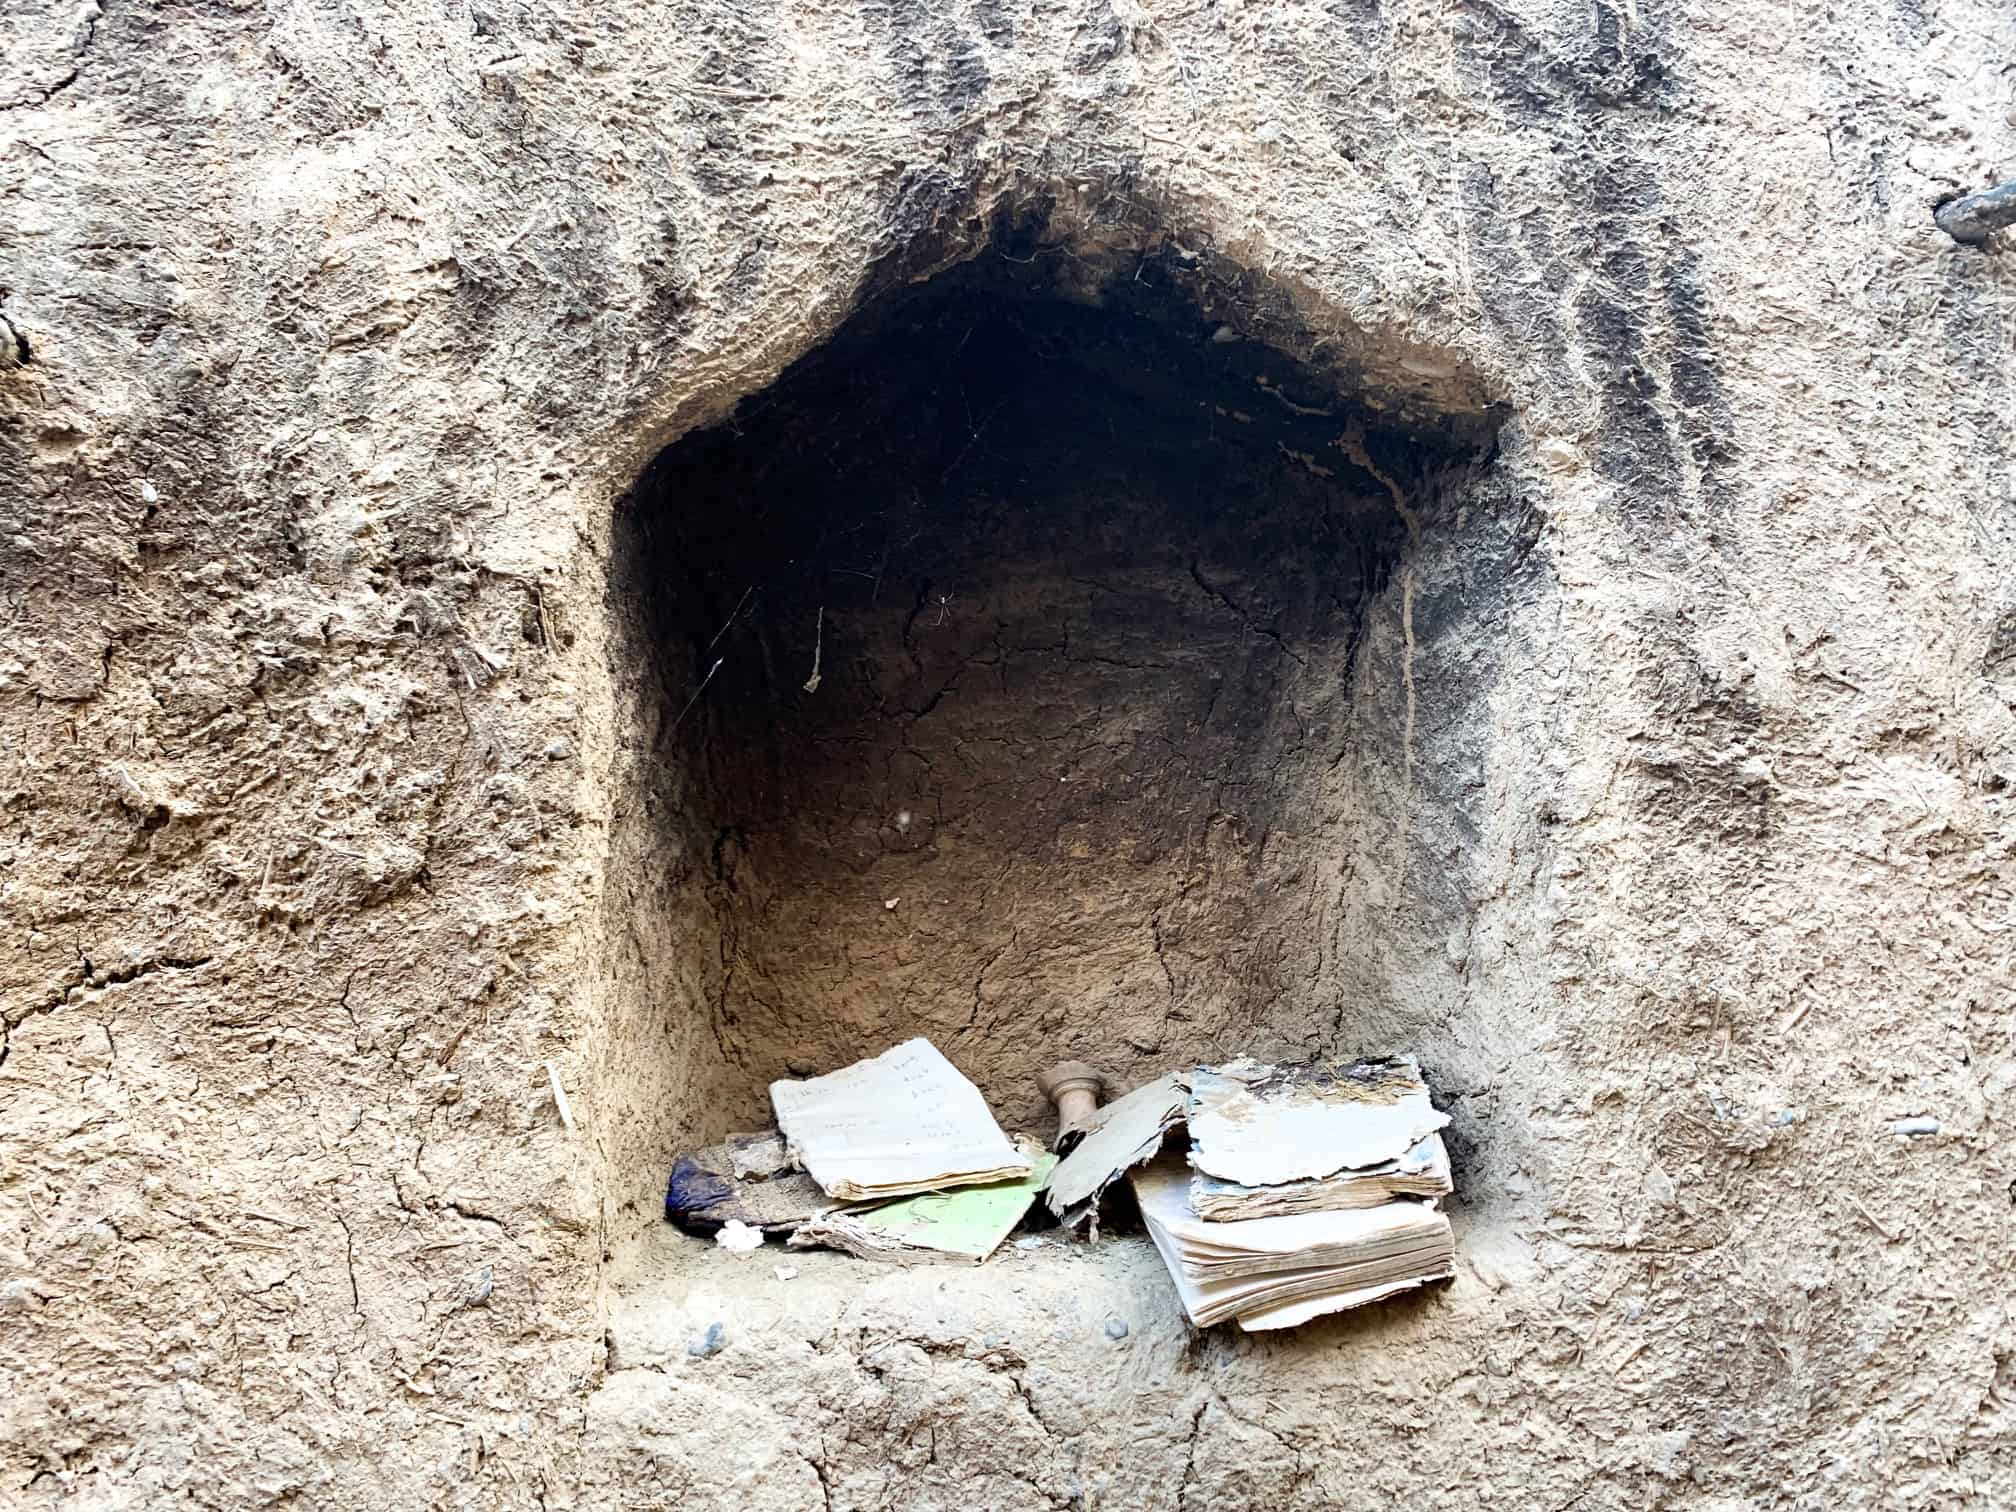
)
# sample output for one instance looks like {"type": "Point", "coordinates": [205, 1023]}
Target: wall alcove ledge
{"type": "Point", "coordinates": [1036, 666]}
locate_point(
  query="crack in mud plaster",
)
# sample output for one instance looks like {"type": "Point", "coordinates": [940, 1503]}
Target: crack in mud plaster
{"type": "Point", "coordinates": [350, 1264]}
{"type": "Point", "coordinates": [1212, 590]}
{"type": "Point", "coordinates": [88, 977]}
{"type": "Point", "coordinates": [1190, 1457]}
{"type": "Point", "coordinates": [1354, 445]}
{"type": "Point", "coordinates": [77, 67]}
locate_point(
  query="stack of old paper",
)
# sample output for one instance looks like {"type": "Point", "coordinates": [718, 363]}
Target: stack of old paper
{"type": "Point", "coordinates": [1308, 1188]}
{"type": "Point", "coordinates": [968, 1223]}
{"type": "Point", "coordinates": [895, 1158]}
{"type": "Point", "coordinates": [903, 1122]}
{"type": "Point", "coordinates": [1275, 1272]}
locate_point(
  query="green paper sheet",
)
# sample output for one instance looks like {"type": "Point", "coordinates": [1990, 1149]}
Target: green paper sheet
{"type": "Point", "coordinates": [967, 1223]}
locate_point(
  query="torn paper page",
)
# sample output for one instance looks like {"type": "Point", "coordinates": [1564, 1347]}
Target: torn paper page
{"type": "Point", "coordinates": [1126, 1133]}
{"type": "Point", "coordinates": [1259, 1126]}
{"type": "Point", "coordinates": [1423, 1171]}
{"type": "Point", "coordinates": [967, 1224]}
{"type": "Point", "coordinates": [903, 1122]}
{"type": "Point", "coordinates": [1293, 1314]}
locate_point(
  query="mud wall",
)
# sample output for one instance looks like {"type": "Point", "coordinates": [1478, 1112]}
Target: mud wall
{"type": "Point", "coordinates": [338, 333]}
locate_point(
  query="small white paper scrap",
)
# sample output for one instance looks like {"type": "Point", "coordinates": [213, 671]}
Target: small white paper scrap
{"type": "Point", "coordinates": [738, 1236]}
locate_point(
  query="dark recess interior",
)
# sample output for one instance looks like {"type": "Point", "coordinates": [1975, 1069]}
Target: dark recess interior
{"type": "Point", "coordinates": [1084, 585]}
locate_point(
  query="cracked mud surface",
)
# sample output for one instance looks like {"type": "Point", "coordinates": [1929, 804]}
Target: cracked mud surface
{"type": "Point", "coordinates": [1672, 829]}
{"type": "Point", "coordinates": [856, 1386]}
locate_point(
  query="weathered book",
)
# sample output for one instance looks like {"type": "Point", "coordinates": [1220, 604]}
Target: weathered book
{"type": "Point", "coordinates": [967, 1224]}
{"type": "Point", "coordinates": [1276, 1272]}
{"type": "Point", "coordinates": [1269, 1141]}
{"type": "Point", "coordinates": [905, 1121]}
